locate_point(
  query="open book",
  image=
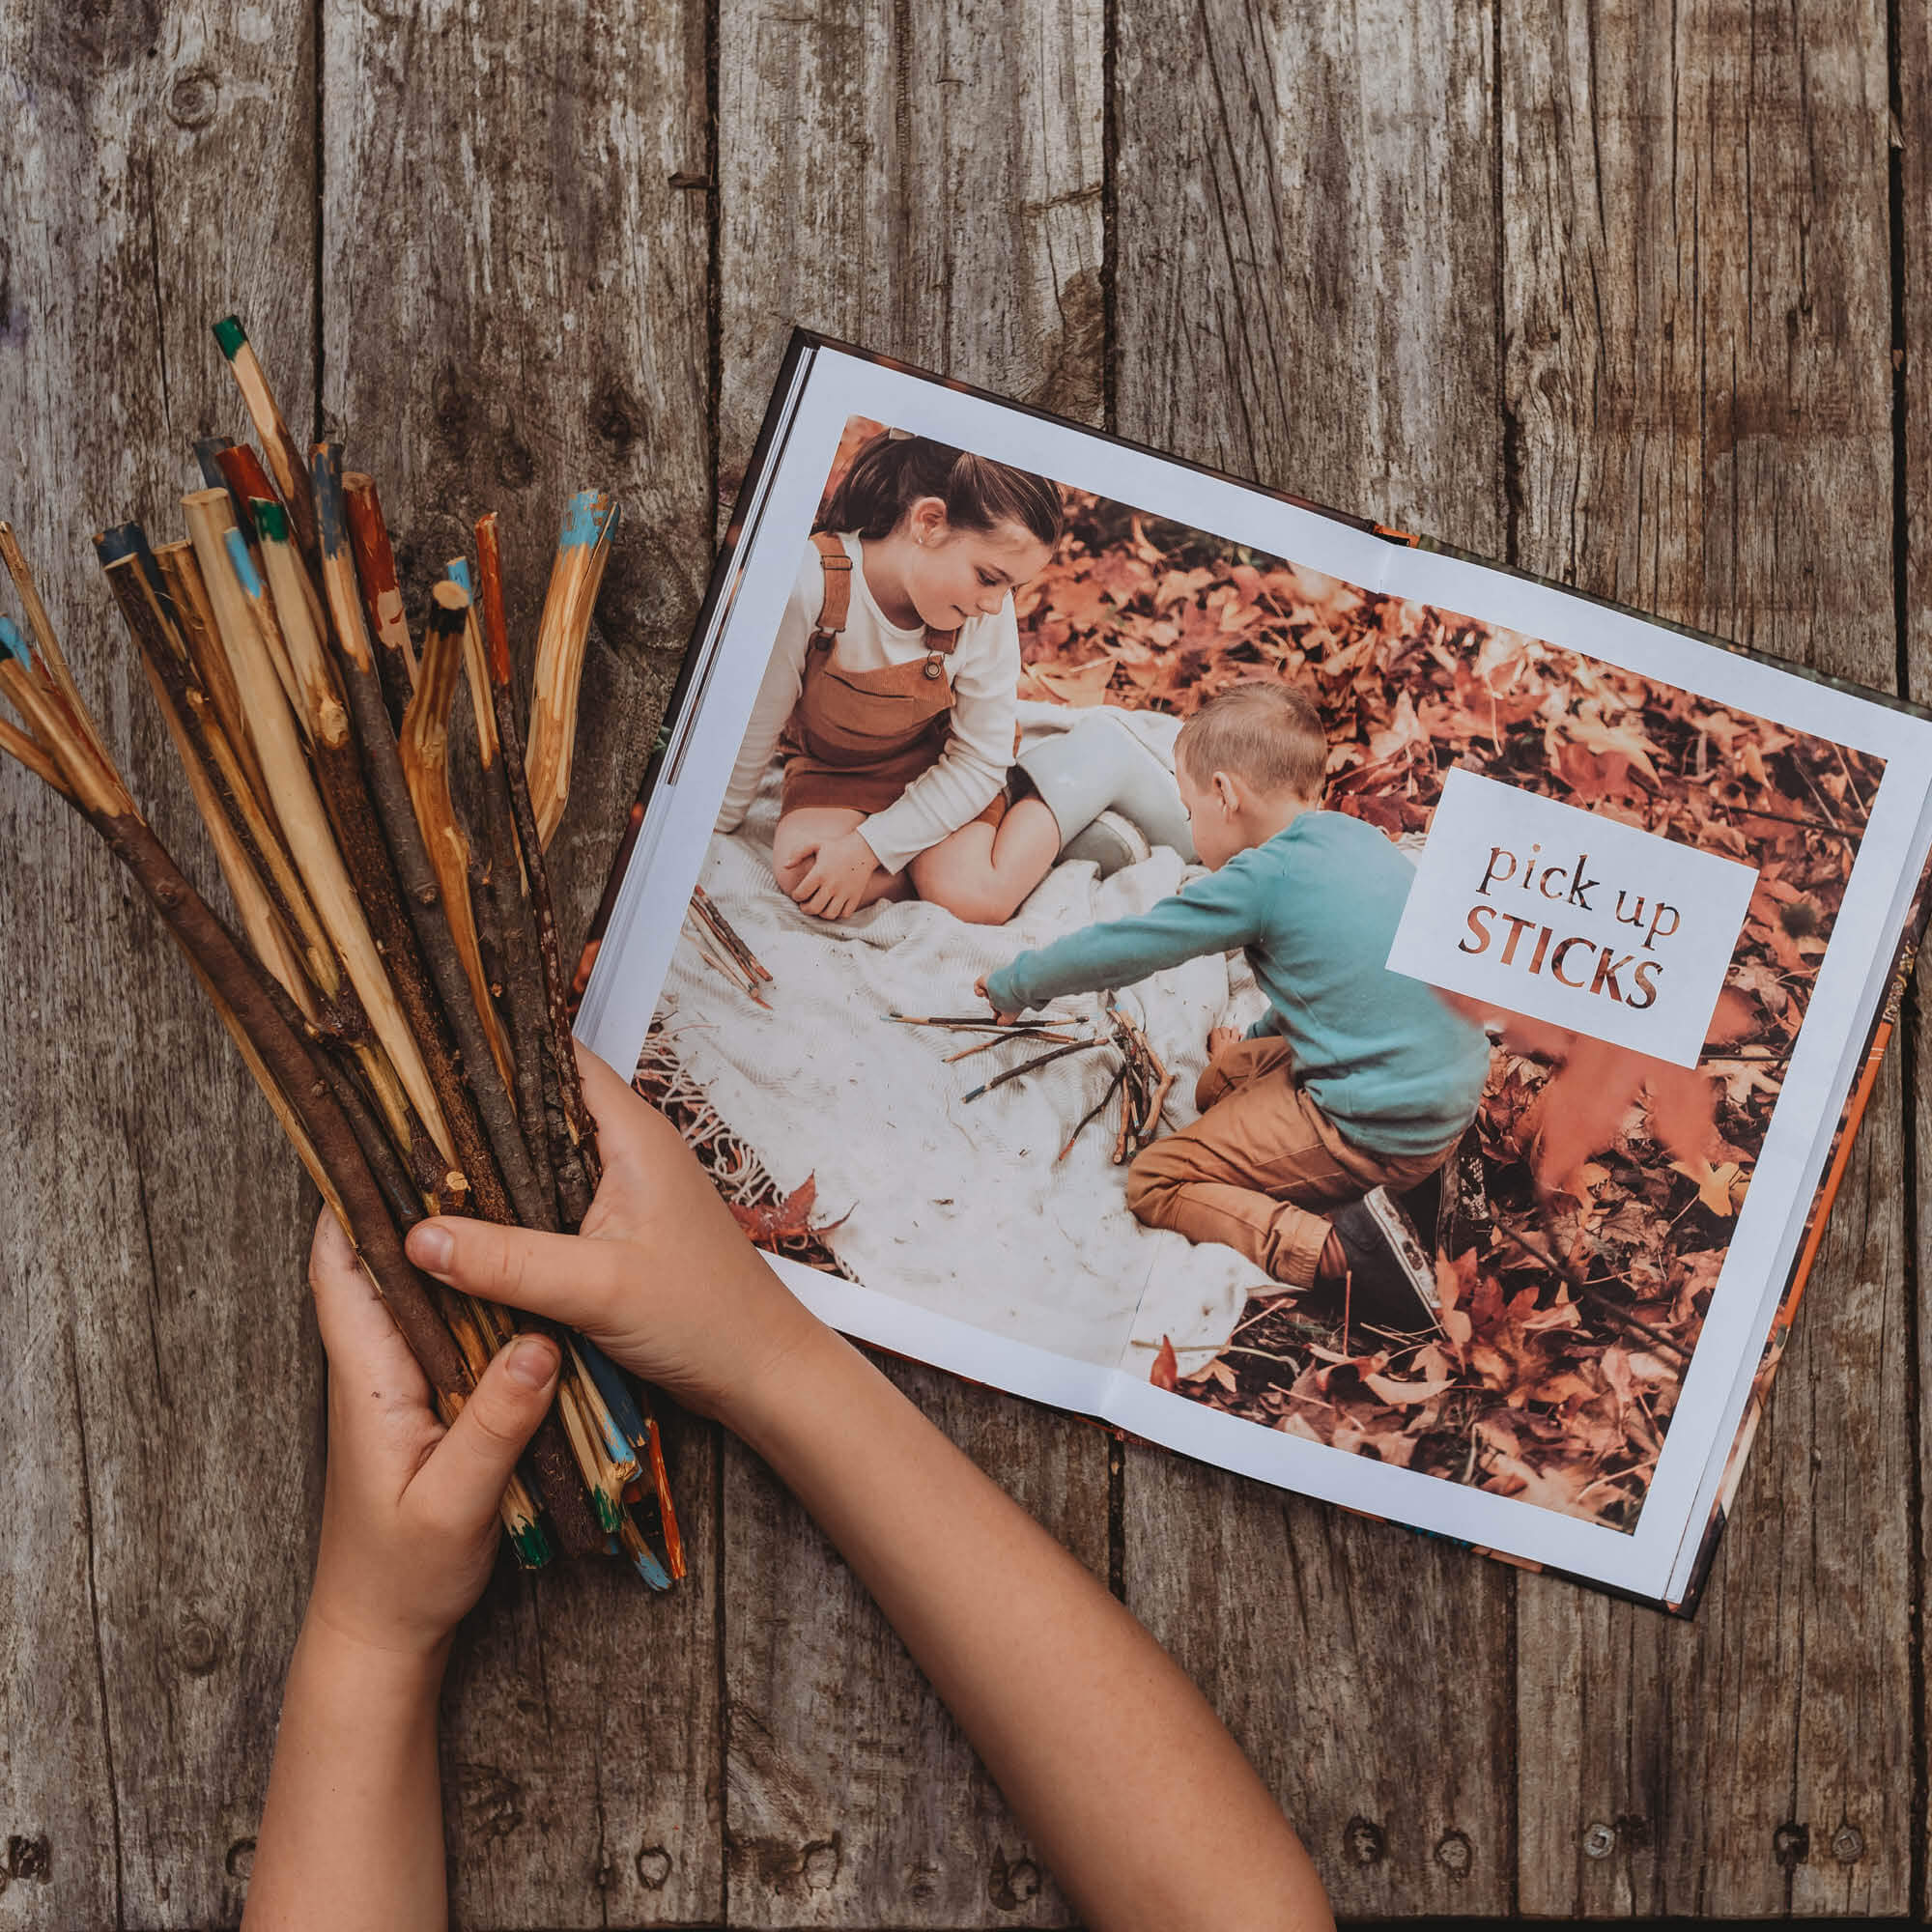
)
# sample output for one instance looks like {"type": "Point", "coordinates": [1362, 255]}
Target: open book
{"type": "Point", "coordinates": [1669, 889]}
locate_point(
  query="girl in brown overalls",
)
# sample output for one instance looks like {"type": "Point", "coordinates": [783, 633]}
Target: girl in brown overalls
{"type": "Point", "coordinates": [892, 690]}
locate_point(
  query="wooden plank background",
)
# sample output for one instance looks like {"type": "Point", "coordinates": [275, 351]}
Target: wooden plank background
{"type": "Point", "coordinates": [1632, 294]}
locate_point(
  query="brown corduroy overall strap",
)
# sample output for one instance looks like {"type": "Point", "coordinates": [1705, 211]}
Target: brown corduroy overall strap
{"type": "Point", "coordinates": [837, 605]}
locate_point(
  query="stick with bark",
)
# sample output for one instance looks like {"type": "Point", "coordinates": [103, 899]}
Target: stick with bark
{"type": "Point", "coordinates": [509, 882]}
{"type": "Point", "coordinates": [422, 895]}
{"type": "Point", "coordinates": [381, 597]}
{"type": "Point", "coordinates": [1093, 1113]}
{"type": "Point", "coordinates": [1028, 1066]}
{"type": "Point", "coordinates": [573, 1150]}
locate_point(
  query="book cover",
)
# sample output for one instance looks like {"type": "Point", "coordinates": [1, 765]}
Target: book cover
{"type": "Point", "coordinates": [1578, 961]}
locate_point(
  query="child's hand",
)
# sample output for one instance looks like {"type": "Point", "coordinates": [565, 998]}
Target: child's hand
{"type": "Point", "coordinates": [409, 1514]}
{"type": "Point", "coordinates": [841, 870]}
{"type": "Point", "coordinates": [661, 1278]}
{"type": "Point", "coordinates": [1220, 1040]}
{"type": "Point", "coordinates": [979, 987]}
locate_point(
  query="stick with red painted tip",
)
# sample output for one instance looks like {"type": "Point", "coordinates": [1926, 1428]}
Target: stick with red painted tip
{"type": "Point", "coordinates": [381, 597]}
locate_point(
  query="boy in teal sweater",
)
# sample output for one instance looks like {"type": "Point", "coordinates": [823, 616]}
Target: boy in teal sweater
{"type": "Point", "coordinates": [1357, 1083]}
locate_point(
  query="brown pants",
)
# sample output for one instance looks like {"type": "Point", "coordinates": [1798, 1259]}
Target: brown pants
{"type": "Point", "coordinates": [1261, 1158]}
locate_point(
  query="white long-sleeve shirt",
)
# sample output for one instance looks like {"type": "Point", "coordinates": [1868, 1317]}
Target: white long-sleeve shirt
{"type": "Point", "coordinates": [985, 669]}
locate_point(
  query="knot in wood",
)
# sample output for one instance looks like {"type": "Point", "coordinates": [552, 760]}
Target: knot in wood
{"type": "Point", "coordinates": [1791, 1844]}
{"type": "Point", "coordinates": [241, 1858]}
{"type": "Point", "coordinates": [653, 1865]}
{"type": "Point", "coordinates": [198, 1645]}
{"type": "Point", "coordinates": [1455, 1853]}
{"type": "Point", "coordinates": [29, 1857]}
{"type": "Point", "coordinates": [1364, 1840]}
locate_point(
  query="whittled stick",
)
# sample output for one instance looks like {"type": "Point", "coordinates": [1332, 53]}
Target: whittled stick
{"type": "Point", "coordinates": [583, 549]}
{"type": "Point", "coordinates": [248, 485]}
{"type": "Point", "coordinates": [194, 619]}
{"type": "Point", "coordinates": [382, 596]}
{"type": "Point", "coordinates": [286, 461]}
{"type": "Point", "coordinates": [38, 622]}
{"type": "Point", "coordinates": [298, 806]}
{"type": "Point", "coordinates": [276, 1054]}
{"type": "Point", "coordinates": [422, 895]}
{"type": "Point", "coordinates": [424, 750]}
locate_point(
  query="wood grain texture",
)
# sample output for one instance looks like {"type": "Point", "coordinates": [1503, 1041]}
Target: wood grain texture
{"type": "Point", "coordinates": [515, 299]}
{"type": "Point", "coordinates": [1305, 294]}
{"type": "Point", "coordinates": [1697, 303]}
{"type": "Point", "coordinates": [924, 178]}
{"type": "Point", "coordinates": [161, 1382]}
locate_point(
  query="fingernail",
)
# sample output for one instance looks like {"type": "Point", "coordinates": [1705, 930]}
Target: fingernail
{"type": "Point", "coordinates": [431, 1247]}
{"type": "Point", "coordinates": [532, 1361]}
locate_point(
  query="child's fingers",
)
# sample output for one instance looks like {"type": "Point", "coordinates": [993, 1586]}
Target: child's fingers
{"type": "Point", "coordinates": [635, 1139]}
{"type": "Point", "coordinates": [563, 1276]}
{"type": "Point", "coordinates": [466, 1475]}
{"type": "Point", "coordinates": [358, 1330]}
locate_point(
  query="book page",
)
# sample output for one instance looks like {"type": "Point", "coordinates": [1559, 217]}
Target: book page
{"type": "Point", "coordinates": [1585, 916]}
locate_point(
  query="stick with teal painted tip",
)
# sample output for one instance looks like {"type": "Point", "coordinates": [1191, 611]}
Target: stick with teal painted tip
{"type": "Point", "coordinates": [48, 646]}
{"type": "Point", "coordinates": [287, 463]}
{"type": "Point", "coordinates": [584, 548]}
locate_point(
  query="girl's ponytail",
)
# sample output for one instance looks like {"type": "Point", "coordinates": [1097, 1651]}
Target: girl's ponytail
{"type": "Point", "coordinates": [892, 471]}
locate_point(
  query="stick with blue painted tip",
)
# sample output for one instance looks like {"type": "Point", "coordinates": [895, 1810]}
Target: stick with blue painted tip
{"type": "Point", "coordinates": [18, 661]}
{"type": "Point", "coordinates": [45, 639]}
{"type": "Point", "coordinates": [475, 665]}
{"type": "Point", "coordinates": [583, 549]}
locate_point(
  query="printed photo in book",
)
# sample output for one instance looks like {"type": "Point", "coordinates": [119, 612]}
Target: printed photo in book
{"type": "Point", "coordinates": [1337, 1031]}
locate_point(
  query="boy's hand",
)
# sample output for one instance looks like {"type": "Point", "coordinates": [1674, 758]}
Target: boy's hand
{"type": "Point", "coordinates": [1220, 1040]}
{"type": "Point", "coordinates": [660, 1277]}
{"type": "Point", "coordinates": [409, 1514]}
{"type": "Point", "coordinates": [841, 870]}
{"type": "Point", "coordinates": [979, 987]}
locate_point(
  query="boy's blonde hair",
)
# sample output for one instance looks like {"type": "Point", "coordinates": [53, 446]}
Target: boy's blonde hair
{"type": "Point", "coordinates": [1269, 734]}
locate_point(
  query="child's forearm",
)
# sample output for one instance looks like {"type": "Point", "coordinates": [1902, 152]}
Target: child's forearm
{"type": "Point", "coordinates": [1056, 1685]}
{"type": "Point", "coordinates": [352, 1832]}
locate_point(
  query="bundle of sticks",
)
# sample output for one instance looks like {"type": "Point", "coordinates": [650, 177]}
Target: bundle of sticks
{"type": "Point", "coordinates": [1141, 1080]}
{"type": "Point", "coordinates": [396, 988]}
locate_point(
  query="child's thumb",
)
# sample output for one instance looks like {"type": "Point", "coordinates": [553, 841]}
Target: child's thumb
{"type": "Point", "coordinates": [465, 1476]}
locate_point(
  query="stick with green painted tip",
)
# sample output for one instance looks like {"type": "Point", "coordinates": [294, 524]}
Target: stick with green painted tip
{"type": "Point", "coordinates": [287, 463]}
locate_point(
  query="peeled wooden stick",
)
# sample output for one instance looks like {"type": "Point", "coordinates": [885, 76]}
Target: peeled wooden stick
{"type": "Point", "coordinates": [42, 630]}
{"type": "Point", "coordinates": [275, 947]}
{"type": "Point", "coordinates": [583, 547]}
{"type": "Point", "coordinates": [422, 895]}
{"type": "Point", "coordinates": [424, 748]}
{"type": "Point", "coordinates": [248, 485]}
{"type": "Point", "coordinates": [195, 617]}
{"type": "Point", "coordinates": [286, 462]}
{"type": "Point", "coordinates": [381, 597]}
{"type": "Point", "coordinates": [298, 808]}
{"type": "Point", "coordinates": [273, 1048]}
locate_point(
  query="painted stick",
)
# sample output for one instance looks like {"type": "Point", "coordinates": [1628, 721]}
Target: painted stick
{"type": "Point", "coordinates": [422, 895]}
{"type": "Point", "coordinates": [381, 598]}
{"type": "Point", "coordinates": [583, 547]}
{"type": "Point", "coordinates": [273, 943]}
{"type": "Point", "coordinates": [195, 618]}
{"type": "Point", "coordinates": [249, 484]}
{"type": "Point", "coordinates": [475, 665]}
{"type": "Point", "coordinates": [42, 630]}
{"type": "Point", "coordinates": [510, 883]}
{"type": "Point", "coordinates": [424, 750]}
{"type": "Point", "coordinates": [274, 1050]}
{"type": "Point", "coordinates": [284, 453]}
{"type": "Point", "coordinates": [298, 808]}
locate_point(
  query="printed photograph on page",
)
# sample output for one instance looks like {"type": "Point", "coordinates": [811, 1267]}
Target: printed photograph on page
{"type": "Point", "coordinates": [1334, 1010]}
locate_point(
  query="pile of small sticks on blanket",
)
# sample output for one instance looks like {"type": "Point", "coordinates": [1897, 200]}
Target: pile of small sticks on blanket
{"type": "Point", "coordinates": [723, 950]}
{"type": "Point", "coordinates": [402, 1003]}
{"type": "Point", "coordinates": [1141, 1080]}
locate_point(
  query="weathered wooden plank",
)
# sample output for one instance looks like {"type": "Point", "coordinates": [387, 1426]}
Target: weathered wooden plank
{"type": "Point", "coordinates": [925, 180]}
{"type": "Point", "coordinates": [1912, 164]}
{"type": "Point", "coordinates": [1696, 308]}
{"type": "Point", "coordinates": [162, 1387]}
{"type": "Point", "coordinates": [1305, 294]}
{"type": "Point", "coordinates": [515, 293]}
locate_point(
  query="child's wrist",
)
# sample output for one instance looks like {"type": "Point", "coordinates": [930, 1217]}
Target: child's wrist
{"type": "Point", "coordinates": [375, 1652]}
{"type": "Point", "coordinates": [788, 1379]}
